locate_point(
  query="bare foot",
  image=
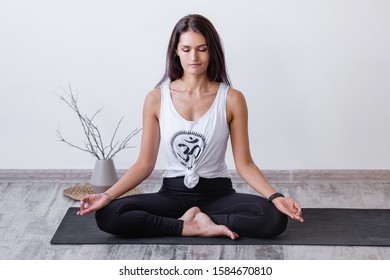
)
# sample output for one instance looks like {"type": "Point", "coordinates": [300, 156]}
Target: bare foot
{"type": "Point", "coordinates": [190, 214]}
{"type": "Point", "coordinates": [202, 225]}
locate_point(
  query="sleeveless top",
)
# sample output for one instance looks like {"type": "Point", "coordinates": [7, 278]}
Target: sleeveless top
{"type": "Point", "coordinates": [196, 148]}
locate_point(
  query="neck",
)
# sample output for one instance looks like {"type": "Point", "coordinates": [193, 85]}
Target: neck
{"type": "Point", "coordinates": [196, 83]}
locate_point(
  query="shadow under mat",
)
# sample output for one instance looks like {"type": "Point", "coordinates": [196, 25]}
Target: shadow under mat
{"type": "Point", "coordinates": [322, 226]}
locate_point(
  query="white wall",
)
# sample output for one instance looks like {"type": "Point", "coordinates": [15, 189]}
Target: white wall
{"type": "Point", "coordinates": [315, 75]}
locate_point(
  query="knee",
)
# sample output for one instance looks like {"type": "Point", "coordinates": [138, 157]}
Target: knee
{"type": "Point", "coordinates": [105, 221]}
{"type": "Point", "coordinates": [108, 221]}
{"type": "Point", "coordinates": [278, 224]}
{"type": "Point", "coordinates": [130, 224]}
{"type": "Point", "coordinates": [271, 224]}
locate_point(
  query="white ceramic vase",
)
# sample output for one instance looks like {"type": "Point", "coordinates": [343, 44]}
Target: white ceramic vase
{"type": "Point", "coordinates": [104, 175]}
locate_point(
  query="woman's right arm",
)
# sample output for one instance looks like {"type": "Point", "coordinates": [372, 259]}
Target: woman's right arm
{"type": "Point", "coordinates": [145, 163]}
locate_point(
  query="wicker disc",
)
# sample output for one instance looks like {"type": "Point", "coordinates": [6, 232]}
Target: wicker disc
{"type": "Point", "coordinates": [78, 191]}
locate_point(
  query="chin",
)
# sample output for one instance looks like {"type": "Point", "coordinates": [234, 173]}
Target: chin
{"type": "Point", "coordinates": [196, 71]}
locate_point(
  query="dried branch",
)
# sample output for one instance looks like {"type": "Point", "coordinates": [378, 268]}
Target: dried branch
{"type": "Point", "coordinates": [124, 144]}
{"type": "Point", "coordinates": [72, 103]}
{"type": "Point", "coordinates": [61, 138]}
{"type": "Point", "coordinates": [94, 144]}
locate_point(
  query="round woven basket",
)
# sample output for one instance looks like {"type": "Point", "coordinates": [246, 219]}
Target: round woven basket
{"type": "Point", "coordinates": [78, 191]}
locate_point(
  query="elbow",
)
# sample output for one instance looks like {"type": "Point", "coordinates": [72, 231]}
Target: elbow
{"type": "Point", "coordinates": [240, 169]}
{"type": "Point", "coordinates": [243, 166]}
{"type": "Point", "coordinates": [149, 170]}
{"type": "Point", "coordinates": [145, 168]}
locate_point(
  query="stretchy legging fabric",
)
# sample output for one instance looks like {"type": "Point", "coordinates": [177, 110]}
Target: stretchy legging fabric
{"type": "Point", "coordinates": [156, 214]}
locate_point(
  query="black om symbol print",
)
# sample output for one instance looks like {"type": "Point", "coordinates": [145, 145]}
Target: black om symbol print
{"type": "Point", "coordinates": [187, 147]}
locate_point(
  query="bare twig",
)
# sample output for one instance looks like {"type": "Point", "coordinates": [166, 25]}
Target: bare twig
{"type": "Point", "coordinates": [125, 142]}
{"type": "Point", "coordinates": [60, 138]}
{"type": "Point", "coordinates": [72, 103]}
{"type": "Point", "coordinates": [94, 144]}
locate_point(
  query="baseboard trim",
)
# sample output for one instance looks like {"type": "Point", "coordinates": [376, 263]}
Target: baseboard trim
{"type": "Point", "coordinates": [280, 176]}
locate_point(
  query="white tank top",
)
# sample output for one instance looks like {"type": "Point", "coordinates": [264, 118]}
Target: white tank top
{"type": "Point", "coordinates": [196, 148]}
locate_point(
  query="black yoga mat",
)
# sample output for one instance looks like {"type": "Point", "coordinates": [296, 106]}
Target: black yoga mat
{"type": "Point", "coordinates": [322, 226]}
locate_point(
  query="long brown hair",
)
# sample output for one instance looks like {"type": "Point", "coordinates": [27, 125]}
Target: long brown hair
{"type": "Point", "coordinates": [216, 70]}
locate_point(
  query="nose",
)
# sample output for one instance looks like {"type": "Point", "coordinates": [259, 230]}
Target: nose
{"type": "Point", "coordinates": [194, 56]}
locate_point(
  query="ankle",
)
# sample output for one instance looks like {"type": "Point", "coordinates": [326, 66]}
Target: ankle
{"type": "Point", "coordinates": [190, 228]}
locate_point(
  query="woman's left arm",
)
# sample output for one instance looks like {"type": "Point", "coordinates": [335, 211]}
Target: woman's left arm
{"type": "Point", "coordinates": [237, 116]}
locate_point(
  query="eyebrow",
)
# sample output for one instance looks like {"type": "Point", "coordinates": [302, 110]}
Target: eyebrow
{"type": "Point", "coordinates": [185, 46]}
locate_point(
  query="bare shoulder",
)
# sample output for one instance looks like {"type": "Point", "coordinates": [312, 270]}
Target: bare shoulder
{"type": "Point", "coordinates": [153, 96]}
{"type": "Point", "coordinates": [235, 103]}
{"type": "Point", "coordinates": [235, 97]}
{"type": "Point", "coordinates": [153, 101]}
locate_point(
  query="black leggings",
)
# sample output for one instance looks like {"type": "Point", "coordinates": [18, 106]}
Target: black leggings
{"type": "Point", "coordinates": [156, 214]}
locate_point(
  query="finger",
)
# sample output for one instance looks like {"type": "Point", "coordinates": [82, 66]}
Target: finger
{"type": "Point", "coordinates": [297, 206]}
{"type": "Point", "coordinates": [296, 209]}
{"type": "Point", "coordinates": [299, 212]}
{"type": "Point", "coordinates": [299, 218]}
{"type": "Point", "coordinates": [82, 204]}
{"type": "Point", "coordinates": [291, 215]}
{"type": "Point", "coordinates": [83, 212]}
{"type": "Point", "coordinates": [295, 215]}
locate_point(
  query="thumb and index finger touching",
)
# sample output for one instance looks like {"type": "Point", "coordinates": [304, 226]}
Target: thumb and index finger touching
{"type": "Point", "coordinates": [87, 205]}
{"type": "Point", "coordinates": [296, 211]}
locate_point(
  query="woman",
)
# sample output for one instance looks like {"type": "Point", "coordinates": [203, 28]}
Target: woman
{"type": "Point", "coordinates": [192, 113]}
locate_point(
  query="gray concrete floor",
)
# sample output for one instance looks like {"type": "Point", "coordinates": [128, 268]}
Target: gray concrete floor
{"type": "Point", "coordinates": [32, 205]}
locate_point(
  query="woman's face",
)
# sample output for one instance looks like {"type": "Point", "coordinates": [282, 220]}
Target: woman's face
{"type": "Point", "coordinates": [193, 53]}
